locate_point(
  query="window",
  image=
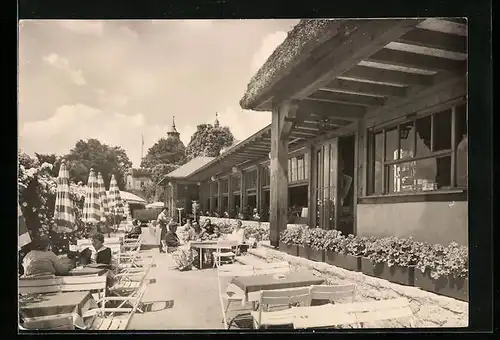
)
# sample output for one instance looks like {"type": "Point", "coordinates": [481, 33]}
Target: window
{"type": "Point", "coordinates": [224, 186]}
{"type": "Point", "coordinates": [235, 183]}
{"type": "Point", "coordinates": [266, 175]}
{"type": "Point", "coordinates": [419, 154]}
{"type": "Point", "coordinates": [251, 179]}
{"type": "Point", "coordinates": [297, 169]}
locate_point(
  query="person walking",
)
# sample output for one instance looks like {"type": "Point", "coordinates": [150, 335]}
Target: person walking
{"type": "Point", "coordinates": [162, 222]}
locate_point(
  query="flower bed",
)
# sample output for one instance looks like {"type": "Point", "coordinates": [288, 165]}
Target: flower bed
{"type": "Point", "coordinates": [436, 268]}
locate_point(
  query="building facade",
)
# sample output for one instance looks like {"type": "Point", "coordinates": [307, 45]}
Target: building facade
{"type": "Point", "coordinates": [137, 179]}
{"type": "Point", "coordinates": [368, 133]}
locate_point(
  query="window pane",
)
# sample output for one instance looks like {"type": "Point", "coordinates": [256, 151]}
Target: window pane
{"type": "Point", "coordinates": [423, 136]}
{"type": "Point", "coordinates": [378, 158]}
{"type": "Point", "coordinates": [462, 146]}
{"type": "Point", "coordinates": [406, 137]}
{"type": "Point", "coordinates": [307, 159]}
{"type": "Point", "coordinates": [294, 169]}
{"type": "Point", "coordinates": [318, 170]}
{"type": "Point", "coordinates": [442, 130]}
{"type": "Point", "coordinates": [333, 165]}
{"type": "Point", "coordinates": [422, 175]}
{"type": "Point", "coordinates": [391, 144]}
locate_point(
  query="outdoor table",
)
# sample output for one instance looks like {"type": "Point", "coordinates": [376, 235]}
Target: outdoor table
{"type": "Point", "coordinates": [203, 245]}
{"type": "Point", "coordinates": [34, 306]}
{"type": "Point", "coordinates": [256, 283]}
{"type": "Point", "coordinates": [87, 271]}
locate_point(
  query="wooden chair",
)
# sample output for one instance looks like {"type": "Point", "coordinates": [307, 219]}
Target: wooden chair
{"type": "Point", "coordinates": [39, 285]}
{"type": "Point", "coordinates": [373, 311]}
{"type": "Point", "coordinates": [107, 318]}
{"type": "Point", "coordinates": [52, 322]}
{"type": "Point", "coordinates": [332, 293]}
{"type": "Point", "coordinates": [268, 298]}
{"type": "Point", "coordinates": [130, 281]}
{"type": "Point", "coordinates": [229, 293]}
{"type": "Point", "coordinates": [95, 284]}
{"type": "Point", "coordinates": [220, 256]}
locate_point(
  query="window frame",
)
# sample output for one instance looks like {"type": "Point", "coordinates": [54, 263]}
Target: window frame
{"type": "Point", "coordinates": [373, 131]}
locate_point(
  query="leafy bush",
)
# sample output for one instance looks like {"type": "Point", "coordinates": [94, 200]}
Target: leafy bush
{"type": "Point", "coordinates": [225, 228]}
{"type": "Point", "coordinates": [440, 261]}
{"type": "Point", "coordinates": [291, 235]}
{"type": "Point", "coordinates": [314, 238]}
{"type": "Point", "coordinates": [352, 245]}
{"type": "Point", "coordinates": [257, 232]}
{"type": "Point", "coordinates": [332, 239]}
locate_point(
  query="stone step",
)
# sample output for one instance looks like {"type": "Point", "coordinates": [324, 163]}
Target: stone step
{"type": "Point", "coordinates": [250, 259]}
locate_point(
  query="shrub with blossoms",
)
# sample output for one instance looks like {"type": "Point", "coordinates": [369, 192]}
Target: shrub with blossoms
{"type": "Point", "coordinates": [37, 189]}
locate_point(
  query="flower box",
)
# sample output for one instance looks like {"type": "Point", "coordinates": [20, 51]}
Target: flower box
{"type": "Point", "coordinates": [311, 254]}
{"type": "Point", "coordinates": [344, 261]}
{"type": "Point", "coordinates": [290, 249]}
{"type": "Point", "coordinates": [457, 288]}
{"type": "Point", "coordinates": [396, 274]}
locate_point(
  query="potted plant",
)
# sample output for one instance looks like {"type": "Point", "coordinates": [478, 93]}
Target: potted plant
{"type": "Point", "coordinates": [289, 239]}
{"type": "Point", "coordinates": [346, 252]}
{"type": "Point", "coordinates": [311, 244]}
{"type": "Point", "coordinates": [392, 259]}
{"type": "Point", "coordinates": [444, 270]}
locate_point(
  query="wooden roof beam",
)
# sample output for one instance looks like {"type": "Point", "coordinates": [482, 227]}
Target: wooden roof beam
{"type": "Point", "coordinates": [346, 98]}
{"type": "Point", "coordinates": [331, 110]}
{"type": "Point", "coordinates": [419, 61]}
{"type": "Point", "coordinates": [363, 87]}
{"type": "Point", "coordinates": [387, 76]}
{"type": "Point", "coordinates": [434, 39]}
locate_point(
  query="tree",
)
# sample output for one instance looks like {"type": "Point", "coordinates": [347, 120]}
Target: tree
{"type": "Point", "coordinates": [51, 159]}
{"type": "Point", "coordinates": [208, 141]}
{"type": "Point", "coordinates": [165, 151]}
{"type": "Point", "coordinates": [101, 157]}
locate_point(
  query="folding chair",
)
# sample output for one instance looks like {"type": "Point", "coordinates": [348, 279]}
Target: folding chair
{"type": "Point", "coordinates": [321, 294]}
{"type": "Point", "coordinates": [279, 297]}
{"type": "Point", "coordinates": [220, 255]}
{"type": "Point", "coordinates": [39, 285]}
{"type": "Point", "coordinates": [229, 293]}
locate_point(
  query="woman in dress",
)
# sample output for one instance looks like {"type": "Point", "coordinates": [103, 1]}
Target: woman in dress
{"type": "Point", "coordinates": [98, 253]}
{"type": "Point", "coordinates": [41, 261]}
{"type": "Point", "coordinates": [182, 254]}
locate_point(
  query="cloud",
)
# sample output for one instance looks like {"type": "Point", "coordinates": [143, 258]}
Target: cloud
{"type": "Point", "coordinates": [267, 47]}
{"type": "Point", "coordinates": [129, 32]}
{"type": "Point", "coordinates": [71, 123]}
{"type": "Point", "coordinates": [63, 64]}
{"type": "Point", "coordinates": [83, 26]}
{"type": "Point", "coordinates": [112, 100]}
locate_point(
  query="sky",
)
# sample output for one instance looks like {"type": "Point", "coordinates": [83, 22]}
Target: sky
{"type": "Point", "coordinates": [116, 80]}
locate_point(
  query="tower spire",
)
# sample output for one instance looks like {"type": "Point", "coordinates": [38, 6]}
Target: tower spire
{"type": "Point", "coordinates": [216, 123]}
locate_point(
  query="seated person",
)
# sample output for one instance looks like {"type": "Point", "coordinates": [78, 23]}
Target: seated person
{"type": "Point", "coordinates": [196, 233]}
{"type": "Point", "coordinates": [238, 235]}
{"type": "Point", "coordinates": [41, 261]}
{"type": "Point", "coordinates": [216, 233]}
{"type": "Point", "coordinates": [136, 231]}
{"type": "Point", "coordinates": [208, 226]}
{"type": "Point", "coordinates": [183, 256]}
{"type": "Point", "coordinates": [98, 253]}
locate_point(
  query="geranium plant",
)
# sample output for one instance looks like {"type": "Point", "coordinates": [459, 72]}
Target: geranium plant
{"type": "Point", "coordinates": [332, 239]}
{"type": "Point", "coordinates": [316, 238]}
{"type": "Point", "coordinates": [378, 251]}
{"type": "Point", "coordinates": [404, 252]}
{"type": "Point", "coordinates": [439, 260]}
{"type": "Point", "coordinates": [291, 236]}
{"type": "Point", "coordinates": [352, 245]}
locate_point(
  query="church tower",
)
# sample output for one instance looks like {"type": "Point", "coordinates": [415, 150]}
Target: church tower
{"type": "Point", "coordinates": [172, 132]}
{"type": "Point", "coordinates": [216, 123]}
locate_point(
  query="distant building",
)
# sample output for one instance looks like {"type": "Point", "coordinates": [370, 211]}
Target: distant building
{"type": "Point", "coordinates": [137, 179]}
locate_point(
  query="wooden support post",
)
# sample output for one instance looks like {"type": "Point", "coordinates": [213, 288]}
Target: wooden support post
{"type": "Point", "coordinates": [280, 131]}
{"type": "Point", "coordinates": [243, 192]}
{"type": "Point", "coordinates": [210, 195]}
{"type": "Point", "coordinates": [219, 197]}
{"type": "Point", "coordinates": [312, 181]}
{"type": "Point", "coordinates": [258, 199]}
{"type": "Point", "coordinates": [229, 194]}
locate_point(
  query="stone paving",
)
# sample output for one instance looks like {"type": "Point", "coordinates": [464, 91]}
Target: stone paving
{"type": "Point", "coordinates": [430, 310]}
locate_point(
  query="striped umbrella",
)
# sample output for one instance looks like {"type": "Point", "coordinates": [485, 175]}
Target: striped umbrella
{"type": "Point", "coordinates": [64, 216]}
{"type": "Point", "coordinates": [23, 235]}
{"type": "Point", "coordinates": [92, 207]}
{"type": "Point", "coordinates": [103, 197]}
{"type": "Point", "coordinates": [114, 199]}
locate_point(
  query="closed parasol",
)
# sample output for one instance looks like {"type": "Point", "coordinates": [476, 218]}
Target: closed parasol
{"type": "Point", "coordinates": [64, 216]}
{"type": "Point", "coordinates": [23, 235]}
{"type": "Point", "coordinates": [92, 212]}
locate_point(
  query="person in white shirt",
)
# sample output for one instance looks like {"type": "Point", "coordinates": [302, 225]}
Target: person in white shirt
{"type": "Point", "coordinates": [162, 221]}
{"type": "Point", "coordinates": [238, 235]}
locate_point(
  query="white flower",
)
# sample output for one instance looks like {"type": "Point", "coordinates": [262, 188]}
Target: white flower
{"type": "Point", "coordinates": [46, 165]}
